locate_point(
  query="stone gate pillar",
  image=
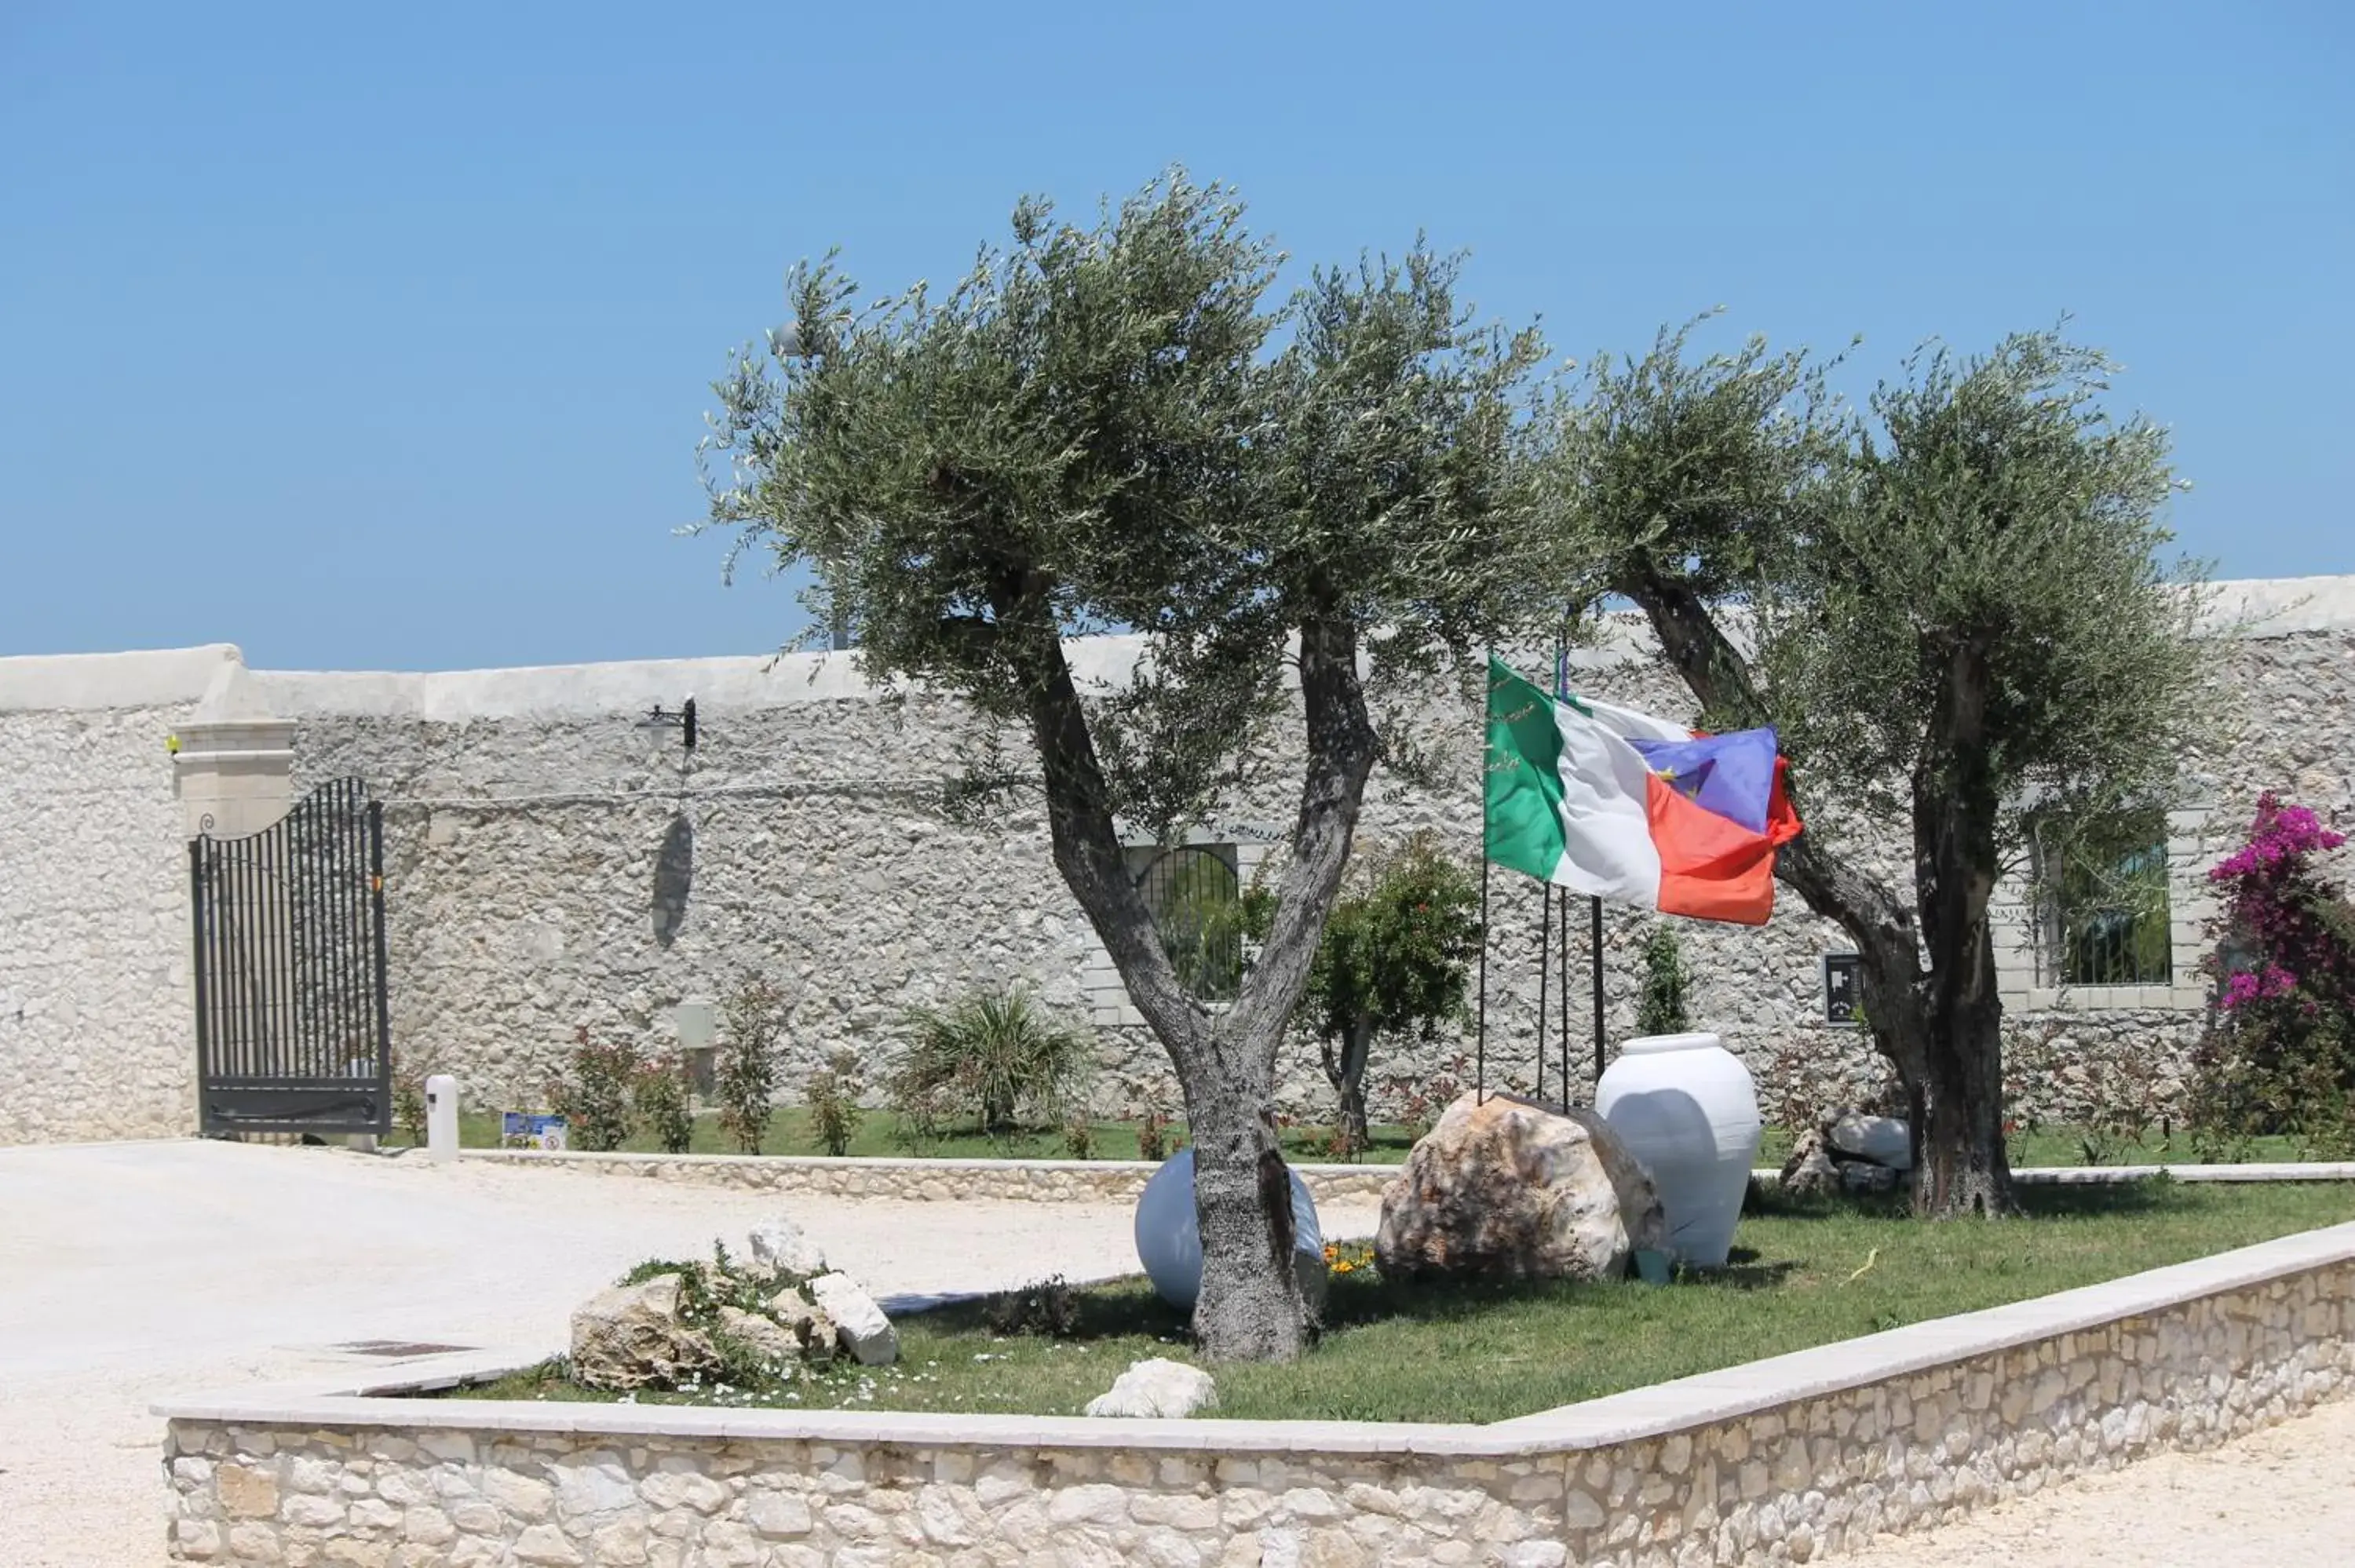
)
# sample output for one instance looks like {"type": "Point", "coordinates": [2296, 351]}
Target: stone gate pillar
{"type": "Point", "coordinates": [234, 761]}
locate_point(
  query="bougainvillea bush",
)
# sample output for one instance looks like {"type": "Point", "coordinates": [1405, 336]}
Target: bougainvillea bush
{"type": "Point", "coordinates": [2280, 1054]}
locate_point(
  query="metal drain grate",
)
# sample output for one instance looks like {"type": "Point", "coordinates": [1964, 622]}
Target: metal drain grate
{"type": "Point", "coordinates": [397, 1349]}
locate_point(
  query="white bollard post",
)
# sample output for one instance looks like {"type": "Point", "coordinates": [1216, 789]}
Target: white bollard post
{"type": "Point", "coordinates": [440, 1118]}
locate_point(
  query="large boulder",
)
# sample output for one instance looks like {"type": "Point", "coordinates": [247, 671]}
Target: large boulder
{"type": "Point", "coordinates": [1158, 1389]}
{"type": "Point", "coordinates": [631, 1336]}
{"type": "Point", "coordinates": [1504, 1189]}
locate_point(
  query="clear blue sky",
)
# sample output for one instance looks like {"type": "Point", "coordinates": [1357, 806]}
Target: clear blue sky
{"type": "Point", "coordinates": [383, 340]}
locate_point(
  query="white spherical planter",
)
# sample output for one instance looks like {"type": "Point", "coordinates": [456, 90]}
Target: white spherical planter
{"type": "Point", "coordinates": [1687, 1109]}
{"type": "Point", "coordinates": [1169, 1237]}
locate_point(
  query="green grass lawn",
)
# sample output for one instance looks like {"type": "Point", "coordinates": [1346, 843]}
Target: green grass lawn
{"type": "Point", "coordinates": [1805, 1274]}
{"type": "Point", "coordinates": [879, 1135]}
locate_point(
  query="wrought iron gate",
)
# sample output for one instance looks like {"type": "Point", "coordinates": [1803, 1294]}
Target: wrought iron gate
{"type": "Point", "coordinates": [291, 1025]}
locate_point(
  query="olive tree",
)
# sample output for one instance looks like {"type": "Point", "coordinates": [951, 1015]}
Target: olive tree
{"type": "Point", "coordinates": [1957, 609]}
{"type": "Point", "coordinates": [1295, 507]}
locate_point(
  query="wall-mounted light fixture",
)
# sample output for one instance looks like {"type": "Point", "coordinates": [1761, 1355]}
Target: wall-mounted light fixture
{"type": "Point", "coordinates": [660, 718]}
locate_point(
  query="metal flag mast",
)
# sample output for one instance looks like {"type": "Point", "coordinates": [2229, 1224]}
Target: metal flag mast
{"type": "Point", "coordinates": [1594, 932]}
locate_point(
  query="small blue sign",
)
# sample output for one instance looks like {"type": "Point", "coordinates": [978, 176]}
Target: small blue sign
{"type": "Point", "coordinates": [525, 1130]}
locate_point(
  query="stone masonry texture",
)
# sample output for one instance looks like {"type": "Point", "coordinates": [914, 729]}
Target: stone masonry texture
{"type": "Point", "coordinates": [97, 1026]}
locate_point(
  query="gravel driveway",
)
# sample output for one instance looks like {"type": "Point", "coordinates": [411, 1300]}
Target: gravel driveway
{"type": "Point", "coordinates": [133, 1271]}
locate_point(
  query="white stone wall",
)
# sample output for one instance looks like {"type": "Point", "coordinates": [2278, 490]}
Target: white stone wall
{"type": "Point", "coordinates": [529, 811]}
{"type": "Point", "coordinates": [555, 862]}
{"type": "Point", "coordinates": [97, 1028]}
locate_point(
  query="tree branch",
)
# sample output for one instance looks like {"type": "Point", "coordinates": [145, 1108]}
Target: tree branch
{"type": "Point", "coordinates": [1342, 746]}
{"type": "Point", "coordinates": [1087, 850]}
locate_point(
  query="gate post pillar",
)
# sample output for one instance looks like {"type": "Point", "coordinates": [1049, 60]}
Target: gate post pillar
{"type": "Point", "coordinates": [234, 770]}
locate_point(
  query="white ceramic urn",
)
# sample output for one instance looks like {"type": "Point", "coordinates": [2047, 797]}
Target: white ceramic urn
{"type": "Point", "coordinates": [1687, 1109]}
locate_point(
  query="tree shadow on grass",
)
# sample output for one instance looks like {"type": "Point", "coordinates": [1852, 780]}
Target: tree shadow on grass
{"type": "Point", "coordinates": [2149, 1194]}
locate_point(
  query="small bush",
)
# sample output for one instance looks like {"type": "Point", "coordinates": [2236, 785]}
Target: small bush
{"type": "Point", "coordinates": [660, 1098]}
{"type": "Point", "coordinates": [744, 1081]}
{"type": "Point", "coordinates": [1048, 1309]}
{"type": "Point", "coordinates": [1660, 1009]}
{"type": "Point", "coordinates": [1153, 1134]}
{"type": "Point", "coordinates": [832, 1094]}
{"type": "Point", "coordinates": [1419, 1099]}
{"type": "Point", "coordinates": [2280, 1054]}
{"type": "Point", "coordinates": [592, 1092]}
{"type": "Point", "coordinates": [409, 1099]}
{"type": "Point", "coordinates": [989, 1060]}
{"type": "Point", "coordinates": [2115, 1099]}
{"type": "Point", "coordinates": [1080, 1138]}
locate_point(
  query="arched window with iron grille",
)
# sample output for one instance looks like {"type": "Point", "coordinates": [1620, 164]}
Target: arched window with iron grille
{"type": "Point", "coordinates": [1195, 896]}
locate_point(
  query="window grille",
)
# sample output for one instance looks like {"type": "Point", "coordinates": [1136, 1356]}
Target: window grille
{"type": "Point", "coordinates": [2105, 918]}
{"type": "Point", "coordinates": [1195, 896]}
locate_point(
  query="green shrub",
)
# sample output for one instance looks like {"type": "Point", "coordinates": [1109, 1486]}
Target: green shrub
{"type": "Point", "coordinates": [1661, 1008]}
{"type": "Point", "coordinates": [1080, 1137]}
{"type": "Point", "coordinates": [1048, 1309]}
{"type": "Point", "coordinates": [592, 1092]}
{"type": "Point", "coordinates": [659, 1097]}
{"type": "Point", "coordinates": [832, 1094]}
{"type": "Point", "coordinates": [409, 1099]}
{"type": "Point", "coordinates": [991, 1061]}
{"type": "Point", "coordinates": [744, 1079]}
{"type": "Point", "coordinates": [1153, 1133]}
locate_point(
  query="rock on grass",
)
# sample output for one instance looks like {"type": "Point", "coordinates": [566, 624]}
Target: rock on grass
{"type": "Point", "coordinates": [1158, 1389]}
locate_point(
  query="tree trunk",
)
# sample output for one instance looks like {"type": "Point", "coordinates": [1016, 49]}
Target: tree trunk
{"type": "Point", "coordinates": [1347, 1074]}
{"type": "Point", "coordinates": [1961, 1166]}
{"type": "Point", "coordinates": [1251, 1307]}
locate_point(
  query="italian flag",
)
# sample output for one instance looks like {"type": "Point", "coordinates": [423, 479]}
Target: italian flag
{"type": "Point", "coordinates": [1620, 805]}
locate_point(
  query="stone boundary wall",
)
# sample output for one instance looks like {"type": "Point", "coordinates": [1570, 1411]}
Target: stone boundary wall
{"type": "Point", "coordinates": [556, 862]}
{"type": "Point", "coordinates": [1121, 1181]}
{"type": "Point", "coordinates": [1780, 1461]}
{"type": "Point", "coordinates": [97, 1034]}
{"type": "Point", "coordinates": [925, 1181]}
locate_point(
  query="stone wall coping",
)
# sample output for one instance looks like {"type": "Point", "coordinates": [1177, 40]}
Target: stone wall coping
{"type": "Point", "coordinates": [78, 683]}
{"type": "Point", "coordinates": [896, 1165]}
{"type": "Point", "coordinates": [357, 1402]}
{"type": "Point", "coordinates": [2252, 1170]}
{"type": "Point", "coordinates": [2257, 607]}
{"type": "Point", "coordinates": [892, 1164]}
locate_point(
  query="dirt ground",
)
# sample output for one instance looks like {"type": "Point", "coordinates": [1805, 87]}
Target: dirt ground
{"type": "Point", "coordinates": [134, 1272]}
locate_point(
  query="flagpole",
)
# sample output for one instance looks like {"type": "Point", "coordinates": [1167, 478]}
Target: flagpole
{"type": "Point", "coordinates": [1563, 963]}
{"type": "Point", "coordinates": [1480, 1029]}
{"type": "Point", "coordinates": [1545, 941]}
{"type": "Point", "coordinates": [1561, 693]}
{"type": "Point", "coordinates": [1596, 940]}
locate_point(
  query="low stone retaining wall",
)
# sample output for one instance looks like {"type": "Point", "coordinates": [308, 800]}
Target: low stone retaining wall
{"type": "Point", "coordinates": [928, 1180]}
{"type": "Point", "coordinates": [1782, 1460]}
{"type": "Point", "coordinates": [1120, 1181]}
